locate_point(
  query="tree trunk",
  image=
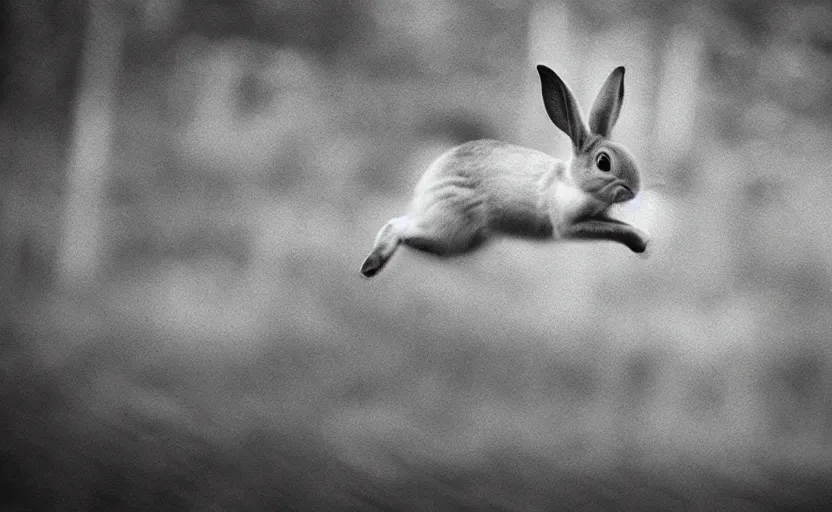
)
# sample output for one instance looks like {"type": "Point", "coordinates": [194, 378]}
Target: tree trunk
{"type": "Point", "coordinates": [82, 241]}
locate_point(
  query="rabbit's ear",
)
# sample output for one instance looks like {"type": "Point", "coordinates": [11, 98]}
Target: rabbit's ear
{"type": "Point", "coordinates": [607, 105]}
{"type": "Point", "coordinates": [562, 107]}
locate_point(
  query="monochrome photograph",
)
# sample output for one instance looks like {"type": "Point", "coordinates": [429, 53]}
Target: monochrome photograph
{"type": "Point", "coordinates": [400, 255]}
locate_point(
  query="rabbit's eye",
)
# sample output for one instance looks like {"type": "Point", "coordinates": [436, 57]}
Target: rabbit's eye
{"type": "Point", "coordinates": [603, 162]}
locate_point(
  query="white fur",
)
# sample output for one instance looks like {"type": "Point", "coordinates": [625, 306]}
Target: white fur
{"type": "Point", "coordinates": [570, 200]}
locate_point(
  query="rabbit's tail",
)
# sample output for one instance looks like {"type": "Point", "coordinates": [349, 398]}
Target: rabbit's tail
{"type": "Point", "coordinates": [387, 241]}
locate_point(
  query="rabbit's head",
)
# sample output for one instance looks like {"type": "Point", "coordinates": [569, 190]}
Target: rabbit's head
{"type": "Point", "coordinates": [599, 166]}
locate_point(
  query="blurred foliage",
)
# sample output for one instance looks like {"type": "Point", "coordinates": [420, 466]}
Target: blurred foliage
{"type": "Point", "coordinates": [224, 354]}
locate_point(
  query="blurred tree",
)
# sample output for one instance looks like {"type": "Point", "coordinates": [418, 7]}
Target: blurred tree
{"type": "Point", "coordinates": [91, 144]}
{"type": "Point", "coordinates": [324, 27]}
{"type": "Point", "coordinates": [40, 48]}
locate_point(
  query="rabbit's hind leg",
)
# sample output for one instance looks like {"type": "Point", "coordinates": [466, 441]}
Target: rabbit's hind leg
{"type": "Point", "coordinates": [439, 244]}
{"type": "Point", "coordinates": [438, 233]}
{"type": "Point", "coordinates": [387, 241]}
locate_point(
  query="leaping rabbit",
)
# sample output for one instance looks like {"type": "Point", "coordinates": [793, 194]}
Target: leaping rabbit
{"type": "Point", "coordinates": [486, 187]}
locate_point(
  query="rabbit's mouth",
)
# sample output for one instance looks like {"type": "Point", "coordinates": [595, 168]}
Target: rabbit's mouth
{"type": "Point", "coordinates": [621, 193]}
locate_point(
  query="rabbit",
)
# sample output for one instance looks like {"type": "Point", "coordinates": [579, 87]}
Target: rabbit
{"type": "Point", "coordinates": [486, 187]}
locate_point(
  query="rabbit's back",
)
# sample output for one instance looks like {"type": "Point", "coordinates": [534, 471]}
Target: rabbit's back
{"type": "Point", "coordinates": [504, 181]}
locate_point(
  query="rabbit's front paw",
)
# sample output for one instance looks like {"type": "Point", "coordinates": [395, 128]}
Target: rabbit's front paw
{"type": "Point", "coordinates": [644, 248]}
{"type": "Point", "coordinates": [646, 252]}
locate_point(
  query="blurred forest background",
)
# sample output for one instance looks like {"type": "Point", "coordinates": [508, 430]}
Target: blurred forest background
{"type": "Point", "coordinates": [189, 187]}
